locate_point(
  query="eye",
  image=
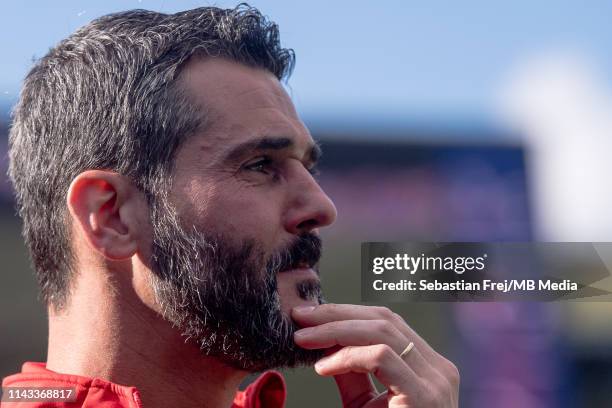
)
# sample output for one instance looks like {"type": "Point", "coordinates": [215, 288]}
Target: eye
{"type": "Point", "coordinates": [261, 164]}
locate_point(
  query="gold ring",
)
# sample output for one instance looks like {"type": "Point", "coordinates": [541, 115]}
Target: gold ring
{"type": "Point", "coordinates": [407, 350]}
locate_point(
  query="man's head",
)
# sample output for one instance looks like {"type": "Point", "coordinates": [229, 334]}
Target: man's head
{"type": "Point", "coordinates": [165, 145]}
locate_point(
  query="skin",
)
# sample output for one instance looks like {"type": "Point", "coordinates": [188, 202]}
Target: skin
{"type": "Point", "coordinates": [112, 327]}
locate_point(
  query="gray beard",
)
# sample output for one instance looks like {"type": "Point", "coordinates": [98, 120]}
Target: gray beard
{"type": "Point", "coordinates": [224, 297]}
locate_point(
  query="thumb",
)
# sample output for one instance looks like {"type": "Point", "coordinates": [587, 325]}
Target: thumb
{"type": "Point", "coordinates": [355, 388]}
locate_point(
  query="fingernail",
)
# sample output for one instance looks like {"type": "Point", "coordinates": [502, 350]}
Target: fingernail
{"type": "Point", "coordinates": [303, 332]}
{"type": "Point", "coordinates": [321, 364]}
{"type": "Point", "coordinates": [303, 309]}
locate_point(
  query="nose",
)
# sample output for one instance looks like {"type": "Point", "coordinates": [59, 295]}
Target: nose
{"type": "Point", "coordinates": [309, 207]}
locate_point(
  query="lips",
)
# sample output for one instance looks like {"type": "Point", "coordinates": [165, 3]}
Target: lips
{"type": "Point", "coordinates": [303, 254]}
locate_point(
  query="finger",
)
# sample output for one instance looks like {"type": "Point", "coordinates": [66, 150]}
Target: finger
{"type": "Point", "coordinates": [351, 333]}
{"type": "Point", "coordinates": [362, 333]}
{"type": "Point", "coordinates": [355, 389]}
{"type": "Point", "coordinates": [378, 360]}
{"type": "Point", "coordinates": [329, 312]}
{"type": "Point", "coordinates": [419, 364]}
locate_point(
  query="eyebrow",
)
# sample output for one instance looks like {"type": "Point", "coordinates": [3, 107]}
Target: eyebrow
{"type": "Point", "coordinates": [269, 144]}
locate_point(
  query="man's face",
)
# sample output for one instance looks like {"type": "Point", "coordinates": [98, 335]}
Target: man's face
{"type": "Point", "coordinates": [236, 240]}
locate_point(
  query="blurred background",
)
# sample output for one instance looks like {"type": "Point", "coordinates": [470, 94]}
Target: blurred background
{"type": "Point", "coordinates": [447, 121]}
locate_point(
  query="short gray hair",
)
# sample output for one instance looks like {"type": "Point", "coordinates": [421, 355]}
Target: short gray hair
{"type": "Point", "coordinates": [107, 97]}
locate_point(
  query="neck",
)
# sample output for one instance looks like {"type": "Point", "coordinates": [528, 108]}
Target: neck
{"type": "Point", "coordinates": [131, 345]}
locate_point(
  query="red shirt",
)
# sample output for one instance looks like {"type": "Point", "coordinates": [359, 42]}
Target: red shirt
{"type": "Point", "coordinates": [267, 391]}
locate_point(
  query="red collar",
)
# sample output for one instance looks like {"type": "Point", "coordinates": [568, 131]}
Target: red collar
{"type": "Point", "coordinates": [267, 391]}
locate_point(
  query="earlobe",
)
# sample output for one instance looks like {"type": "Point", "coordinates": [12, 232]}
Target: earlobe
{"type": "Point", "coordinates": [100, 204]}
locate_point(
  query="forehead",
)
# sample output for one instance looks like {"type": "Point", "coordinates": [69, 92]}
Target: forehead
{"type": "Point", "coordinates": [241, 103]}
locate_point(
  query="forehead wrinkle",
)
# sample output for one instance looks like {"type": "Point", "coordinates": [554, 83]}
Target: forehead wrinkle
{"type": "Point", "coordinates": [260, 103]}
{"type": "Point", "coordinates": [236, 108]}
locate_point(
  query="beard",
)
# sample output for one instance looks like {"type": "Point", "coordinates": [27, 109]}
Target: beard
{"type": "Point", "coordinates": [223, 296]}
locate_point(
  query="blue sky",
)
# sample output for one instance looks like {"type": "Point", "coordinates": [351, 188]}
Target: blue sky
{"type": "Point", "coordinates": [388, 61]}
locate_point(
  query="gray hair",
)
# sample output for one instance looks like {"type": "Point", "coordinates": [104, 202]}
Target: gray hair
{"type": "Point", "coordinates": [108, 97]}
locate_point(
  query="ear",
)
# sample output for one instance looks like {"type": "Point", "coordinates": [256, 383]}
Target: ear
{"type": "Point", "coordinates": [105, 206]}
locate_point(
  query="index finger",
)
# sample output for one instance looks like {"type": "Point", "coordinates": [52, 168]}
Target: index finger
{"type": "Point", "coordinates": [329, 312]}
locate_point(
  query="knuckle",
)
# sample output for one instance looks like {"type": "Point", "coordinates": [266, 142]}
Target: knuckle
{"type": "Point", "coordinates": [442, 387]}
{"type": "Point", "coordinates": [329, 308]}
{"type": "Point", "coordinates": [453, 376]}
{"type": "Point", "coordinates": [384, 312]}
{"type": "Point", "coordinates": [398, 317]}
{"type": "Point", "coordinates": [430, 398]}
{"type": "Point", "coordinates": [345, 354]}
{"type": "Point", "coordinates": [324, 307]}
{"type": "Point", "coordinates": [442, 390]}
{"type": "Point", "coordinates": [437, 395]}
{"type": "Point", "coordinates": [448, 369]}
{"type": "Point", "coordinates": [380, 354]}
{"type": "Point", "coordinates": [324, 330]}
{"type": "Point", "coordinates": [437, 400]}
{"type": "Point", "coordinates": [383, 326]}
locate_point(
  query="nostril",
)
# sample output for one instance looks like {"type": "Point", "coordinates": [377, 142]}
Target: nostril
{"type": "Point", "coordinates": [307, 224]}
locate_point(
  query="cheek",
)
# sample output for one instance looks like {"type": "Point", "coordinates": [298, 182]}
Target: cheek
{"type": "Point", "coordinates": [247, 217]}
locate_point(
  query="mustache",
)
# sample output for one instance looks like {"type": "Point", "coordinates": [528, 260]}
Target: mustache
{"type": "Point", "coordinates": [304, 252]}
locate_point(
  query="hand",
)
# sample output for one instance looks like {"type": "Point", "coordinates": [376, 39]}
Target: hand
{"type": "Point", "coordinates": [363, 340]}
